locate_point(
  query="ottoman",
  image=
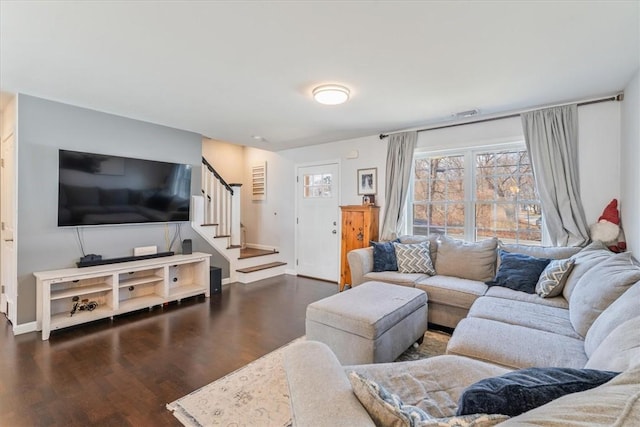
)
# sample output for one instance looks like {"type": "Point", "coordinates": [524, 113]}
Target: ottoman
{"type": "Point", "coordinates": [371, 323]}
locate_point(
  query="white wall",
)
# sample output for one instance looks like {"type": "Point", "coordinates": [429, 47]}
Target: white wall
{"type": "Point", "coordinates": [272, 222]}
{"type": "Point", "coordinates": [471, 135]}
{"type": "Point", "coordinates": [630, 165]}
{"type": "Point", "coordinates": [227, 159]}
{"type": "Point", "coordinates": [599, 150]}
{"type": "Point", "coordinates": [598, 147]}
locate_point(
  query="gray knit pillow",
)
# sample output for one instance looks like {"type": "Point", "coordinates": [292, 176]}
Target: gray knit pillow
{"type": "Point", "coordinates": [414, 258]}
{"type": "Point", "coordinates": [384, 407]}
{"type": "Point", "coordinates": [553, 277]}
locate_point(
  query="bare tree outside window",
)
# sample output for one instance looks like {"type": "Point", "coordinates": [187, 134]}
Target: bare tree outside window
{"type": "Point", "coordinates": [503, 202]}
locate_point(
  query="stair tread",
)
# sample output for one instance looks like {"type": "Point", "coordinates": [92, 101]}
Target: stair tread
{"type": "Point", "coordinates": [261, 267]}
{"type": "Point", "coordinates": [252, 253]}
{"type": "Point", "coordinates": [221, 236]}
{"type": "Point", "coordinates": [208, 225]}
{"type": "Point", "coordinates": [234, 246]}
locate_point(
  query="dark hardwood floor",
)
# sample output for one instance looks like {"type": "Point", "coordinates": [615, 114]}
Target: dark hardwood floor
{"type": "Point", "coordinates": [123, 372]}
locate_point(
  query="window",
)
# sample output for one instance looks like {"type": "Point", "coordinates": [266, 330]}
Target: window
{"type": "Point", "coordinates": [319, 185]}
{"type": "Point", "coordinates": [477, 194]}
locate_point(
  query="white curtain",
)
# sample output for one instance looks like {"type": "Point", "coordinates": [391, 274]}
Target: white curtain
{"type": "Point", "coordinates": [551, 136]}
{"type": "Point", "coordinates": [399, 163]}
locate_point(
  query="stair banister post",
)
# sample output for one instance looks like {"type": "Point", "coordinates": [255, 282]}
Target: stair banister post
{"type": "Point", "coordinates": [235, 215]}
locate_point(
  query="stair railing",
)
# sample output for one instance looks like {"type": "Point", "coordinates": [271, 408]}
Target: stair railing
{"type": "Point", "coordinates": [221, 203]}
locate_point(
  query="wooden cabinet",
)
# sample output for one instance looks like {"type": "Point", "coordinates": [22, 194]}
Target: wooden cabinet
{"type": "Point", "coordinates": [78, 295]}
{"type": "Point", "coordinates": [359, 226]}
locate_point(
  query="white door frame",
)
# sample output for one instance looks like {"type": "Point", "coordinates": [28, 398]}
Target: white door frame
{"type": "Point", "coordinates": [8, 260]}
{"type": "Point", "coordinates": [296, 207]}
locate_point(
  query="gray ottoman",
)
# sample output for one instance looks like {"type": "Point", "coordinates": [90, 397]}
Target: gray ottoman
{"type": "Point", "coordinates": [371, 323]}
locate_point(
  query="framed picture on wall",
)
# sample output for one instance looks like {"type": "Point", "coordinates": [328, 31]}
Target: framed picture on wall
{"type": "Point", "coordinates": [367, 181]}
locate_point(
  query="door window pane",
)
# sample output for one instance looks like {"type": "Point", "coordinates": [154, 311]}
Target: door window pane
{"type": "Point", "coordinates": [318, 185]}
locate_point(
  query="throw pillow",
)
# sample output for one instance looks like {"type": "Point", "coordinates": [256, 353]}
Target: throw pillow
{"type": "Point", "coordinates": [519, 272]}
{"type": "Point", "coordinates": [475, 420]}
{"type": "Point", "coordinates": [520, 391]}
{"type": "Point", "coordinates": [384, 407]}
{"type": "Point", "coordinates": [553, 277]}
{"type": "Point", "coordinates": [466, 260]}
{"type": "Point", "coordinates": [414, 258]}
{"type": "Point", "coordinates": [384, 256]}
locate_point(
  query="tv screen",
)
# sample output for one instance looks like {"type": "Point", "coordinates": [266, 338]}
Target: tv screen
{"type": "Point", "coordinates": [98, 189]}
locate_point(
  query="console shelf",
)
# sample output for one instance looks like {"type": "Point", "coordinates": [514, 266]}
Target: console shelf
{"type": "Point", "coordinates": [117, 288]}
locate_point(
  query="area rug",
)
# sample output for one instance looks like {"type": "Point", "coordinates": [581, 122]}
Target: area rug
{"type": "Point", "coordinates": [257, 394]}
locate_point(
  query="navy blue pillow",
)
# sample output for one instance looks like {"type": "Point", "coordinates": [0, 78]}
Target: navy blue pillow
{"type": "Point", "coordinates": [384, 256]}
{"type": "Point", "coordinates": [520, 391]}
{"type": "Point", "coordinates": [519, 272]}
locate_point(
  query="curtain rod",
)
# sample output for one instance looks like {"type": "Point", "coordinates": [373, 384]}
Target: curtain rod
{"type": "Point", "coordinates": [618, 97]}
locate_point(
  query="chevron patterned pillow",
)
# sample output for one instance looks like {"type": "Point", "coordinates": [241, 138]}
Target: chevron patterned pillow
{"type": "Point", "coordinates": [553, 277]}
{"type": "Point", "coordinates": [414, 258]}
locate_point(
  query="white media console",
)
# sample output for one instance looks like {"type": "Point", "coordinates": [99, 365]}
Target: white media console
{"type": "Point", "coordinates": [116, 288]}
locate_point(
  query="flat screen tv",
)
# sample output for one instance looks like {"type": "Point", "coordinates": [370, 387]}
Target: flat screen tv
{"type": "Point", "coordinates": [98, 189]}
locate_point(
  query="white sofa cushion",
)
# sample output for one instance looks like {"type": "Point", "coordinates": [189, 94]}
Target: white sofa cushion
{"type": "Point", "coordinates": [587, 258]}
{"type": "Point", "coordinates": [500, 292]}
{"type": "Point", "coordinates": [624, 308]}
{"type": "Point", "coordinates": [620, 350]}
{"type": "Point", "coordinates": [394, 277]}
{"type": "Point", "coordinates": [599, 287]}
{"type": "Point", "coordinates": [467, 260]}
{"type": "Point", "coordinates": [451, 291]}
{"type": "Point", "coordinates": [551, 252]}
{"type": "Point", "coordinates": [515, 346]}
{"type": "Point", "coordinates": [530, 315]}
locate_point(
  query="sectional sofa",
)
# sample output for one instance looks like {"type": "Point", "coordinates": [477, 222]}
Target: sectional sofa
{"type": "Point", "coordinates": [593, 323]}
{"type": "Point", "coordinates": [462, 268]}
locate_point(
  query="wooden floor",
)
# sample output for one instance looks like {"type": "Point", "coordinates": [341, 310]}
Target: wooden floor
{"type": "Point", "coordinates": [123, 372]}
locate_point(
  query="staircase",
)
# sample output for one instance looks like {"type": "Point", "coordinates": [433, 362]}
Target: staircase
{"type": "Point", "coordinates": [216, 217]}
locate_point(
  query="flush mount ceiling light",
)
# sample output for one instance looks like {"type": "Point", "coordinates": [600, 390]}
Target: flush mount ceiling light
{"type": "Point", "coordinates": [331, 94]}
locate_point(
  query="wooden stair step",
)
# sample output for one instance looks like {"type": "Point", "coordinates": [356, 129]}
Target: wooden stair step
{"type": "Point", "coordinates": [260, 267]}
{"type": "Point", "coordinates": [220, 236]}
{"type": "Point", "coordinates": [208, 225]}
{"type": "Point", "coordinates": [252, 253]}
{"type": "Point", "coordinates": [234, 246]}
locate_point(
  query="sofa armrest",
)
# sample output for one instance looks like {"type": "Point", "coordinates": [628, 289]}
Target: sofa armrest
{"type": "Point", "coordinates": [360, 263]}
{"type": "Point", "coordinates": [320, 392]}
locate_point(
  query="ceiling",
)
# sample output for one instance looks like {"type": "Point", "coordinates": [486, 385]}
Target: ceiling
{"type": "Point", "coordinates": [234, 70]}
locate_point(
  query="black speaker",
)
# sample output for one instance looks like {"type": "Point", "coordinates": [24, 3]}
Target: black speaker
{"type": "Point", "coordinates": [186, 247]}
{"type": "Point", "coordinates": [215, 280]}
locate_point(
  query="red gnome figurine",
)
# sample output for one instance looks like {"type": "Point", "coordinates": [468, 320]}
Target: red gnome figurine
{"type": "Point", "coordinates": [607, 230]}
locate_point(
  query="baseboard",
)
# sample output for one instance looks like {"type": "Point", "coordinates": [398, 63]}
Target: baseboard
{"type": "Point", "coordinates": [226, 281]}
{"type": "Point", "coordinates": [25, 328]}
{"type": "Point", "coordinates": [262, 247]}
{"type": "Point", "coordinates": [290, 272]}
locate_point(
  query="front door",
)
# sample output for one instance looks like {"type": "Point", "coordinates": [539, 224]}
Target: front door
{"type": "Point", "coordinates": [317, 226]}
